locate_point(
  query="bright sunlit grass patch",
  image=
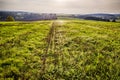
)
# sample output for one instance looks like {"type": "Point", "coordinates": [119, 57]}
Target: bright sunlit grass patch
{"type": "Point", "coordinates": [60, 22]}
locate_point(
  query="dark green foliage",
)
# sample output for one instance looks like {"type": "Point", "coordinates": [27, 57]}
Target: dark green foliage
{"type": "Point", "coordinates": [10, 18]}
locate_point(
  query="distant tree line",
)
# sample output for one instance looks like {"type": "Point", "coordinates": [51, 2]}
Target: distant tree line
{"type": "Point", "coordinates": [26, 16]}
{"type": "Point", "coordinates": [99, 17]}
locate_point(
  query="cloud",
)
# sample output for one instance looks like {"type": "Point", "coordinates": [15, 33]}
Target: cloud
{"type": "Point", "coordinates": [66, 6]}
{"type": "Point", "coordinates": [2, 3]}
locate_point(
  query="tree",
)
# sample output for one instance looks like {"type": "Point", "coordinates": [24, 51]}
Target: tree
{"type": "Point", "coordinates": [10, 18]}
{"type": "Point", "coordinates": [113, 20]}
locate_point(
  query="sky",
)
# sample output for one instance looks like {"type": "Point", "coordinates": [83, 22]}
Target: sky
{"type": "Point", "coordinates": [62, 6]}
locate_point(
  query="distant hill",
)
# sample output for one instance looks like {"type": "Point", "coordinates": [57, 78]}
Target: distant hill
{"type": "Point", "coordinates": [26, 16]}
{"type": "Point", "coordinates": [99, 17]}
{"type": "Point", "coordinates": [29, 16]}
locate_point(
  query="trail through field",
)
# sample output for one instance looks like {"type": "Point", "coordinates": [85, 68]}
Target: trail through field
{"type": "Point", "coordinates": [55, 41]}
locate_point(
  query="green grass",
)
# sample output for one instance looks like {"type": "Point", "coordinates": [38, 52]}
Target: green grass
{"type": "Point", "coordinates": [65, 50]}
{"type": "Point", "coordinates": [93, 49]}
{"type": "Point", "coordinates": [21, 45]}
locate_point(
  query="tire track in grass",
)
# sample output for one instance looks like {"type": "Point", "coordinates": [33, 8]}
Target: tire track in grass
{"type": "Point", "coordinates": [55, 41]}
{"type": "Point", "coordinates": [49, 47]}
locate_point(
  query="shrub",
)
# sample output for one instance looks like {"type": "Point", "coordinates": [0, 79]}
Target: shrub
{"type": "Point", "coordinates": [10, 18]}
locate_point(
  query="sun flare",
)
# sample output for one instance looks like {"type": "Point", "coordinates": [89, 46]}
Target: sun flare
{"type": "Point", "coordinates": [61, 1]}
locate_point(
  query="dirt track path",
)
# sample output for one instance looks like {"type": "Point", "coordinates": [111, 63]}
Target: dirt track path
{"type": "Point", "coordinates": [55, 41]}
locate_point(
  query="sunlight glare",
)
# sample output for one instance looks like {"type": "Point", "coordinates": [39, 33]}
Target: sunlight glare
{"type": "Point", "coordinates": [61, 1]}
{"type": "Point", "coordinates": [60, 22]}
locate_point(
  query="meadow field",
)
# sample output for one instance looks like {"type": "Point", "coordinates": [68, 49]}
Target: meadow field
{"type": "Point", "coordinates": [60, 50]}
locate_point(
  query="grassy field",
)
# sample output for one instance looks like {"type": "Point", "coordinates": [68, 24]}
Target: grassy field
{"type": "Point", "coordinates": [60, 50]}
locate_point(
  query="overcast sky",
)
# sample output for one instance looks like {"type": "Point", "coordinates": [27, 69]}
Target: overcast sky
{"type": "Point", "coordinates": [62, 6]}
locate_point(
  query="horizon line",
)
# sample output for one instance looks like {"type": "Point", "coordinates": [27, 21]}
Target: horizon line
{"type": "Point", "coordinates": [57, 12]}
